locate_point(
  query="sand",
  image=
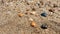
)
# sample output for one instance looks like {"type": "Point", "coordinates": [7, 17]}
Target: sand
{"type": "Point", "coordinates": [16, 16]}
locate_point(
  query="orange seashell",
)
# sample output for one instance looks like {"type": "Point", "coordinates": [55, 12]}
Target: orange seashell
{"type": "Point", "coordinates": [20, 14]}
{"type": "Point", "coordinates": [33, 24]}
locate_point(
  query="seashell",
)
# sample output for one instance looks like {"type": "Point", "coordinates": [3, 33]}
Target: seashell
{"type": "Point", "coordinates": [30, 19]}
{"type": "Point", "coordinates": [33, 13]}
{"type": "Point", "coordinates": [33, 24]}
{"type": "Point", "coordinates": [20, 14]}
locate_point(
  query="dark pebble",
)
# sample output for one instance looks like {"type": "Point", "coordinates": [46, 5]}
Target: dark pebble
{"type": "Point", "coordinates": [44, 26]}
{"type": "Point", "coordinates": [54, 5]}
{"type": "Point", "coordinates": [51, 10]}
{"type": "Point", "coordinates": [43, 14]}
{"type": "Point", "coordinates": [33, 9]}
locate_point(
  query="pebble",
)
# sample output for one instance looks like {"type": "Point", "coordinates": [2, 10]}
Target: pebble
{"type": "Point", "coordinates": [44, 26]}
{"type": "Point", "coordinates": [51, 10]}
{"type": "Point", "coordinates": [43, 14]}
{"type": "Point", "coordinates": [54, 5]}
{"type": "Point", "coordinates": [33, 24]}
{"type": "Point", "coordinates": [33, 9]}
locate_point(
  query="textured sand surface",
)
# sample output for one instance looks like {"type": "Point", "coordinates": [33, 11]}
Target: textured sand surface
{"type": "Point", "coordinates": [13, 23]}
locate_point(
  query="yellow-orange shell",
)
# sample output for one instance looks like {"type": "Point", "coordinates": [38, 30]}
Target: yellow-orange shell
{"type": "Point", "coordinates": [20, 15]}
{"type": "Point", "coordinates": [33, 24]}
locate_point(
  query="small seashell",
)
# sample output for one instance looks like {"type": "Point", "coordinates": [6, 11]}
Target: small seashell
{"type": "Point", "coordinates": [33, 24]}
{"type": "Point", "coordinates": [30, 19]}
{"type": "Point", "coordinates": [33, 13]}
{"type": "Point", "coordinates": [20, 14]}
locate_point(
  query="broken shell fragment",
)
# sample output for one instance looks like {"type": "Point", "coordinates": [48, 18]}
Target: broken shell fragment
{"type": "Point", "coordinates": [20, 14]}
{"type": "Point", "coordinates": [33, 13]}
{"type": "Point", "coordinates": [30, 19]}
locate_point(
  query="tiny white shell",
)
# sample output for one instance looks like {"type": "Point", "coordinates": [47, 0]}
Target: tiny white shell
{"type": "Point", "coordinates": [33, 13]}
{"type": "Point", "coordinates": [30, 19]}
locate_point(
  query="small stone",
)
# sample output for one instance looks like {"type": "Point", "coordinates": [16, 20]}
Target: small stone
{"type": "Point", "coordinates": [54, 5]}
{"type": "Point", "coordinates": [20, 14]}
{"type": "Point", "coordinates": [27, 12]}
{"type": "Point", "coordinates": [33, 9]}
{"type": "Point", "coordinates": [44, 14]}
{"type": "Point", "coordinates": [33, 24]}
{"type": "Point", "coordinates": [51, 10]}
{"type": "Point", "coordinates": [44, 26]}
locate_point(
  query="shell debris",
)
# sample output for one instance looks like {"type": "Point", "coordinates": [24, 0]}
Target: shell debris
{"type": "Point", "coordinates": [20, 14]}
{"type": "Point", "coordinates": [33, 13]}
{"type": "Point", "coordinates": [30, 19]}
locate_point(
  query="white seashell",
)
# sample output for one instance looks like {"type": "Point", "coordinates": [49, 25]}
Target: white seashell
{"type": "Point", "coordinates": [30, 19]}
{"type": "Point", "coordinates": [33, 13]}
